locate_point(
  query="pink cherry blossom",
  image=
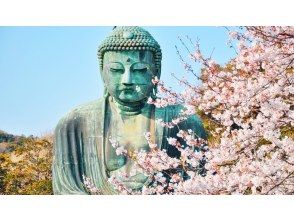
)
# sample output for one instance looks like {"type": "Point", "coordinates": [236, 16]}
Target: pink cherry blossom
{"type": "Point", "coordinates": [250, 103]}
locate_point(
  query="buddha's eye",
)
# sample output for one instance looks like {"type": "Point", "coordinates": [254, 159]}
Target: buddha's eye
{"type": "Point", "coordinates": [140, 67]}
{"type": "Point", "coordinates": [143, 70]}
{"type": "Point", "coordinates": [116, 67]}
{"type": "Point", "coordinates": [116, 70]}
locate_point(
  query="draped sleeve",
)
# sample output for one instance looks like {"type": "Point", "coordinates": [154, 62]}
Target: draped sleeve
{"type": "Point", "coordinates": [68, 165]}
{"type": "Point", "coordinates": [79, 150]}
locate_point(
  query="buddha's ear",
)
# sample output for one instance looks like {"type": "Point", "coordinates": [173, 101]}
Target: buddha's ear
{"type": "Point", "coordinates": [102, 74]}
{"type": "Point", "coordinates": [105, 93]}
{"type": "Point", "coordinates": [158, 73]}
{"type": "Point", "coordinates": [154, 92]}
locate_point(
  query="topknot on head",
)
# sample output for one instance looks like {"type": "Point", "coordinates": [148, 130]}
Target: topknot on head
{"type": "Point", "coordinates": [127, 38]}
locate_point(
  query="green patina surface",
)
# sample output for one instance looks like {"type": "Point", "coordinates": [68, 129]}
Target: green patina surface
{"type": "Point", "coordinates": [129, 58]}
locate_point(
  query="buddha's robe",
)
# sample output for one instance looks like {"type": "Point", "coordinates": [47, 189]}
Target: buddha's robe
{"type": "Point", "coordinates": [80, 142]}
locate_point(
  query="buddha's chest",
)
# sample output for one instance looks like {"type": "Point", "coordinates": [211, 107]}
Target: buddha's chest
{"type": "Point", "coordinates": [129, 133]}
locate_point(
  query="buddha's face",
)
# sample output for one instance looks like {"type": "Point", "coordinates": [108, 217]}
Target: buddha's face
{"type": "Point", "coordinates": [127, 74]}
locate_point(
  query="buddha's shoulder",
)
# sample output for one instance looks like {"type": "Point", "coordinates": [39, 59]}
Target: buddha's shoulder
{"type": "Point", "coordinates": [88, 107]}
{"type": "Point", "coordinates": [84, 111]}
{"type": "Point", "coordinates": [193, 121]}
{"type": "Point", "coordinates": [179, 109]}
{"type": "Point", "coordinates": [171, 110]}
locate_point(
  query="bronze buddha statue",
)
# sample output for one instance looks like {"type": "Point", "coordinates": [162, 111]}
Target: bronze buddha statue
{"type": "Point", "coordinates": [129, 59]}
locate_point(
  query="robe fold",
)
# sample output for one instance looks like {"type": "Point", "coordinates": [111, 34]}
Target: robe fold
{"type": "Point", "coordinates": [79, 145]}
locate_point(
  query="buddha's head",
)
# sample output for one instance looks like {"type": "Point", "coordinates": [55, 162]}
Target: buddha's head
{"type": "Point", "coordinates": [129, 59]}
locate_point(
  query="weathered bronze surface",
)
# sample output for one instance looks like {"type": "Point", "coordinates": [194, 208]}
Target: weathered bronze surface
{"type": "Point", "coordinates": [129, 58]}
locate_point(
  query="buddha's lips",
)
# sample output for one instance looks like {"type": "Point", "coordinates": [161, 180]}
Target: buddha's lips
{"type": "Point", "coordinates": [133, 86]}
{"type": "Point", "coordinates": [128, 89]}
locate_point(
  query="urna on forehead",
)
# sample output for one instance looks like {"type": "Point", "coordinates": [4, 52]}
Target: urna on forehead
{"type": "Point", "coordinates": [131, 38]}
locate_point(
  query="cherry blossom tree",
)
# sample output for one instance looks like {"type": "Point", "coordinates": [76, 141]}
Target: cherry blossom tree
{"type": "Point", "coordinates": [247, 107]}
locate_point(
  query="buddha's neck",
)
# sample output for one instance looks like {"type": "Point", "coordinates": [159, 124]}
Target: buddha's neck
{"type": "Point", "coordinates": [129, 108]}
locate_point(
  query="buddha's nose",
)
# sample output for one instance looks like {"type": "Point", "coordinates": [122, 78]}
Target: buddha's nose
{"type": "Point", "coordinates": [127, 78]}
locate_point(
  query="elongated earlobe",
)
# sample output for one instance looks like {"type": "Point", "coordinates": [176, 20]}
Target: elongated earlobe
{"type": "Point", "coordinates": [105, 93]}
{"type": "Point", "coordinates": [154, 92]}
